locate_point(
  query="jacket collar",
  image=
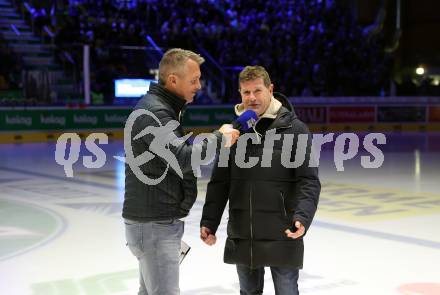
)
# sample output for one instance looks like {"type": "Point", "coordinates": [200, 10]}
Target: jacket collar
{"type": "Point", "coordinates": [280, 111]}
{"type": "Point", "coordinates": [271, 112]}
{"type": "Point", "coordinates": [176, 102]}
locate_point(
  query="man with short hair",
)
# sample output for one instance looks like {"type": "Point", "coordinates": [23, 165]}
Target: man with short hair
{"type": "Point", "coordinates": [270, 206]}
{"type": "Point", "coordinates": [152, 213]}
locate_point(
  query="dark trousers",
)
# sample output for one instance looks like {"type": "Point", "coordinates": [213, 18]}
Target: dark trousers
{"type": "Point", "coordinates": [285, 280]}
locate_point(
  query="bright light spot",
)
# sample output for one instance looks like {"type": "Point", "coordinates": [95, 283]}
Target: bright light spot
{"type": "Point", "coordinates": [420, 71]}
{"type": "Point", "coordinates": [417, 163]}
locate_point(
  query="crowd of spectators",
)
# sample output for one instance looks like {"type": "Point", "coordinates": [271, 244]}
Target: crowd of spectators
{"type": "Point", "coordinates": [310, 47]}
{"type": "Point", "coordinates": [9, 68]}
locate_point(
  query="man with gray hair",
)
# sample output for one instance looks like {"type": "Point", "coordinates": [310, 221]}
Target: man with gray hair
{"type": "Point", "coordinates": [152, 213]}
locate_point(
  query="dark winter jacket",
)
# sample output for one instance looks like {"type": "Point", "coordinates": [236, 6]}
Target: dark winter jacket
{"type": "Point", "coordinates": [264, 201]}
{"type": "Point", "coordinates": [173, 197]}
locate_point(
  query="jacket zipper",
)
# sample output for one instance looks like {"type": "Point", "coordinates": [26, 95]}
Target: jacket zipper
{"type": "Point", "coordinates": [252, 230]}
{"type": "Point", "coordinates": [181, 113]}
{"type": "Point", "coordinates": [284, 204]}
{"type": "Point", "coordinates": [277, 128]}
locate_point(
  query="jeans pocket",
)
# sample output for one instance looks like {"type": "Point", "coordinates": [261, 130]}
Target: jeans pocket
{"type": "Point", "coordinates": [133, 235]}
{"type": "Point", "coordinates": [169, 230]}
{"type": "Point", "coordinates": [165, 222]}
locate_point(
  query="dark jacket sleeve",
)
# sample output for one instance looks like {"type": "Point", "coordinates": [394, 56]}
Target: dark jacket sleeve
{"type": "Point", "coordinates": [308, 186]}
{"type": "Point", "coordinates": [217, 195]}
{"type": "Point", "coordinates": [181, 149]}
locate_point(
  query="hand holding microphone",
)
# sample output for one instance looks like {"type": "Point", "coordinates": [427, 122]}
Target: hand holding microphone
{"type": "Point", "coordinates": [230, 134]}
{"type": "Point", "coordinates": [243, 123]}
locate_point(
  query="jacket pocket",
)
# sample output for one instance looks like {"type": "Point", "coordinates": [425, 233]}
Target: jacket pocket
{"type": "Point", "coordinates": [283, 209]}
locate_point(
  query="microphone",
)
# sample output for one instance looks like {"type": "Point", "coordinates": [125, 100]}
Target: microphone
{"type": "Point", "coordinates": [245, 121]}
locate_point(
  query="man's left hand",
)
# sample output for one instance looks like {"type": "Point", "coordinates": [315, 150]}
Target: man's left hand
{"type": "Point", "coordinates": [300, 230]}
{"type": "Point", "coordinates": [230, 134]}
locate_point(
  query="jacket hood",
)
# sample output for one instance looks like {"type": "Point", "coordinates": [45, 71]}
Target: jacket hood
{"type": "Point", "coordinates": [286, 114]}
{"type": "Point", "coordinates": [285, 103]}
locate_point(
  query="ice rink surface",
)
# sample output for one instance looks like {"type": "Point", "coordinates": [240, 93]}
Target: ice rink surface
{"type": "Point", "coordinates": [377, 231]}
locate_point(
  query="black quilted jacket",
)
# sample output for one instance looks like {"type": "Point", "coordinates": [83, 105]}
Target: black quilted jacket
{"type": "Point", "coordinates": [173, 197]}
{"type": "Point", "coordinates": [264, 201]}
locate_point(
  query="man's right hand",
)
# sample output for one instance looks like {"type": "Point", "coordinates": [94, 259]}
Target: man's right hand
{"type": "Point", "coordinates": [207, 236]}
{"type": "Point", "coordinates": [230, 133]}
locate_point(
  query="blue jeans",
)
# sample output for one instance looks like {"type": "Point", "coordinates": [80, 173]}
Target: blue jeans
{"type": "Point", "coordinates": [156, 245]}
{"type": "Point", "coordinates": [285, 280]}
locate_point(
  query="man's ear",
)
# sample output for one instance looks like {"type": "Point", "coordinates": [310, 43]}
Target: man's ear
{"type": "Point", "coordinates": [271, 89]}
{"type": "Point", "coordinates": [172, 80]}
